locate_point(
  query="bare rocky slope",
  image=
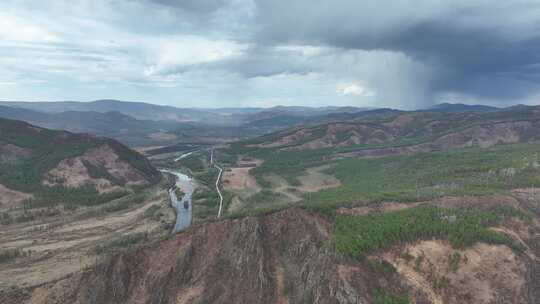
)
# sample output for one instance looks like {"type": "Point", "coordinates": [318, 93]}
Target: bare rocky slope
{"type": "Point", "coordinates": [285, 257]}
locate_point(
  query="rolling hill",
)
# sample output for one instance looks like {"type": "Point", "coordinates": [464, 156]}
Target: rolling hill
{"type": "Point", "coordinates": [147, 111]}
{"type": "Point", "coordinates": [53, 167]}
{"type": "Point", "coordinates": [460, 108]}
{"type": "Point", "coordinates": [409, 131]}
{"type": "Point", "coordinates": [136, 123]}
{"type": "Point", "coordinates": [122, 127]}
{"type": "Point", "coordinates": [138, 110]}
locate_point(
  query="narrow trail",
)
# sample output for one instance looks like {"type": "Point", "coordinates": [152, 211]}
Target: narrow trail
{"type": "Point", "coordinates": [217, 182]}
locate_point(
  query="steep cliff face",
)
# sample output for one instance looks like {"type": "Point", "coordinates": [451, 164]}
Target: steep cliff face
{"type": "Point", "coordinates": [283, 258]}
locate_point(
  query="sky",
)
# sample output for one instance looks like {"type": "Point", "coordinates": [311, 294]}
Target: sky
{"type": "Point", "coordinates": [261, 53]}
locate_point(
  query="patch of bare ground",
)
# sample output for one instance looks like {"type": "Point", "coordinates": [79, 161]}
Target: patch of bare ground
{"type": "Point", "coordinates": [72, 172]}
{"type": "Point", "coordinates": [480, 274]}
{"type": "Point", "coordinates": [281, 186]}
{"type": "Point", "coordinates": [11, 198]}
{"type": "Point", "coordinates": [315, 180]}
{"type": "Point", "coordinates": [10, 153]}
{"type": "Point", "coordinates": [237, 179]}
{"type": "Point", "coordinates": [105, 156]}
{"type": "Point", "coordinates": [64, 244]}
{"type": "Point", "coordinates": [379, 207]}
{"type": "Point", "coordinates": [286, 140]}
{"type": "Point", "coordinates": [240, 182]}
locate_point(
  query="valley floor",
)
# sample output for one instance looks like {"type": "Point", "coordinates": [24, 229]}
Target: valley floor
{"type": "Point", "coordinates": [70, 242]}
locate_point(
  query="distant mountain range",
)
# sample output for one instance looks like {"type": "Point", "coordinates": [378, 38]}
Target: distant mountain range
{"type": "Point", "coordinates": [146, 111]}
{"type": "Point", "coordinates": [460, 108]}
{"type": "Point", "coordinates": [138, 110]}
{"type": "Point", "coordinates": [138, 123]}
{"type": "Point", "coordinates": [112, 124]}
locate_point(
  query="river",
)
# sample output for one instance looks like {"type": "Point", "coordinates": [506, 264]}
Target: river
{"type": "Point", "coordinates": [183, 215]}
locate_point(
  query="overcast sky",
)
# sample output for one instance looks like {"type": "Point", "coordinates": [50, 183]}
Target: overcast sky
{"type": "Point", "coordinates": [224, 53]}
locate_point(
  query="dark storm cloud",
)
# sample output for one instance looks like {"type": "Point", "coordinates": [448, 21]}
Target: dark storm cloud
{"type": "Point", "coordinates": [470, 43]}
{"type": "Point", "coordinates": [398, 53]}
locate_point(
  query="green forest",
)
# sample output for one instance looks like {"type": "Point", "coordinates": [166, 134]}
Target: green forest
{"type": "Point", "coordinates": [357, 236]}
{"type": "Point", "coordinates": [426, 176]}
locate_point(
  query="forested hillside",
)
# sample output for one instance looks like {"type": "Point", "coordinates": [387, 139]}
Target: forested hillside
{"type": "Point", "coordinates": [62, 167]}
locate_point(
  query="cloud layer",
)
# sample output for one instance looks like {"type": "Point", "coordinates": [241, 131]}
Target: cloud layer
{"type": "Point", "coordinates": [213, 53]}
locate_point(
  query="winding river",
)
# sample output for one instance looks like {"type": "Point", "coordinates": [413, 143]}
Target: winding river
{"type": "Point", "coordinates": [183, 214]}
